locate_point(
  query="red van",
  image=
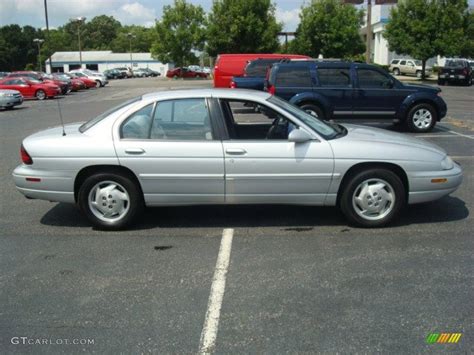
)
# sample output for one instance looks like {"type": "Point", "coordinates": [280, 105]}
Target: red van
{"type": "Point", "coordinates": [230, 65]}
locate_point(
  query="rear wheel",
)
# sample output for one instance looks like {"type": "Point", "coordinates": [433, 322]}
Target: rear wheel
{"type": "Point", "coordinates": [40, 94]}
{"type": "Point", "coordinates": [98, 84]}
{"type": "Point", "coordinates": [421, 118]}
{"type": "Point", "coordinates": [110, 201]}
{"type": "Point", "coordinates": [469, 81]}
{"type": "Point", "coordinates": [313, 110]}
{"type": "Point", "coordinates": [441, 82]}
{"type": "Point", "coordinates": [373, 198]}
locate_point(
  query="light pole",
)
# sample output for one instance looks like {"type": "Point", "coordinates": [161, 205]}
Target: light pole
{"type": "Point", "coordinates": [79, 20]}
{"type": "Point", "coordinates": [130, 37]}
{"type": "Point", "coordinates": [39, 42]}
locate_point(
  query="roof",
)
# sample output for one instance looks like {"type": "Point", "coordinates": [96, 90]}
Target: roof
{"type": "Point", "coordinates": [100, 56]}
{"type": "Point", "coordinates": [241, 94]}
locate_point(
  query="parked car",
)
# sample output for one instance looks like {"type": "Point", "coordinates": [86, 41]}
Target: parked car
{"type": "Point", "coordinates": [197, 147]}
{"type": "Point", "coordinates": [230, 65]}
{"type": "Point", "coordinates": [10, 98]}
{"type": "Point", "coordinates": [89, 83]}
{"type": "Point", "coordinates": [456, 71]}
{"type": "Point", "coordinates": [184, 73]}
{"type": "Point", "coordinates": [99, 78]}
{"type": "Point", "coordinates": [141, 73]}
{"type": "Point", "coordinates": [409, 67]}
{"type": "Point", "coordinates": [39, 76]}
{"type": "Point", "coordinates": [76, 84]}
{"type": "Point", "coordinates": [3, 74]}
{"type": "Point", "coordinates": [31, 88]}
{"type": "Point", "coordinates": [114, 74]}
{"type": "Point", "coordinates": [125, 71]}
{"type": "Point", "coordinates": [347, 90]}
{"type": "Point", "coordinates": [63, 82]}
{"type": "Point", "coordinates": [151, 72]}
{"type": "Point", "coordinates": [254, 74]}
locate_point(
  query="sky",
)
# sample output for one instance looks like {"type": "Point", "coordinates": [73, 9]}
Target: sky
{"type": "Point", "coordinates": [128, 12]}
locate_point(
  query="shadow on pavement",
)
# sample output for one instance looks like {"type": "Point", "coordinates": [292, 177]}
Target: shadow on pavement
{"type": "Point", "coordinates": [447, 209]}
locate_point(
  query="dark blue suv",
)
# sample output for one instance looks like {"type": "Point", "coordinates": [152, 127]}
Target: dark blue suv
{"type": "Point", "coordinates": [347, 90]}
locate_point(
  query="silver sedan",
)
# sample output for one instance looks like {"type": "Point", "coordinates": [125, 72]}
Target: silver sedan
{"type": "Point", "coordinates": [223, 146]}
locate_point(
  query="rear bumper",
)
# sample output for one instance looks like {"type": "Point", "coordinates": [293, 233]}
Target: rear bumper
{"type": "Point", "coordinates": [422, 189]}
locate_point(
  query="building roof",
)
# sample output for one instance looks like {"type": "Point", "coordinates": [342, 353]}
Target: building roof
{"type": "Point", "coordinates": [100, 57]}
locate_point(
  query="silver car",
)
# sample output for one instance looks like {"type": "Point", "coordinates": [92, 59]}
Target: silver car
{"type": "Point", "coordinates": [10, 98]}
{"type": "Point", "coordinates": [221, 146]}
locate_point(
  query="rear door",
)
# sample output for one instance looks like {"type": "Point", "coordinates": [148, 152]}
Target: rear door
{"type": "Point", "coordinates": [293, 79]}
{"type": "Point", "coordinates": [174, 150]}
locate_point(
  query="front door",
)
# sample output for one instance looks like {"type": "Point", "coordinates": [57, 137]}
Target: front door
{"type": "Point", "coordinates": [262, 166]}
{"type": "Point", "coordinates": [172, 149]}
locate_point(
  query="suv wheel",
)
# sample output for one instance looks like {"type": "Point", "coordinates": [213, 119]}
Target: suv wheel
{"type": "Point", "coordinates": [421, 118]}
{"type": "Point", "coordinates": [313, 110]}
{"type": "Point", "coordinates": [396, 71]}
{"type": "Point", "coordinates": [441, 82]}
{"type": "Point", "coordinates": [418, 73]}
{"type": "Point", "coordinates": [98, 84]}
{"type": "Point", "coordinates": [373, 198]}
{"type": "Point", "coordinates": [110, 201]}
{"type": "Point", "coordinates": [469, 81]}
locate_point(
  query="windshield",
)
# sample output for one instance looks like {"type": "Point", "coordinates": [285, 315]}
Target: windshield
{"type": "Point", "coordinates": [323, 128]}
{"type": "Point", "coordinates": [99, 118]}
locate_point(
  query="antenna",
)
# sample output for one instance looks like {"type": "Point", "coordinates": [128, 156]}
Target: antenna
{"type": "Point", "coordinates": [61, 117]}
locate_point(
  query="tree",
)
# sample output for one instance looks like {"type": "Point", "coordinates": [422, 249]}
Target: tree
{"type": "Point", "coordinates": [100, 32]}
{"type": "Point", "coordinates": [423, 29]}
{"type": "Point", "coordinates": [244, 26]}
{"type": "Point", "coordinates": [179, 33]}
{"type": "Point", "coordinates": [144, 38]}
{"type": "Point", "coordinates": [330, 28]}
{"type": "Point", "coordinates": [18, 48]}
{"type": "Point", "coordinates": [467, 50]}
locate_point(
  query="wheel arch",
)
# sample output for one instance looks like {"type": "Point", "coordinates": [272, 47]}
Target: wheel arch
{"type": "Point", "coordinates": [408, 104]}
{"type": "Point", "coordinates": [313, 99]}
{"type": "Point", "coordinates": [355, 169]}
{"type": "Point", "coordinates": [87, 171]}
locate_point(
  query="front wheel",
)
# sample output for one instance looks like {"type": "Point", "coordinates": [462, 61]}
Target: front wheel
{"type": "Point", "coordinates": [110, 201]}
{"type": "Point", "coordinates": [313, 110]}
{"type": "Point", "coordinates": [441, 82]}
{"type": "Point", "coordinates": [98, 84]}
{"type": "Point", "coordinates": [396, 71]}
{"type": "Point", "coordinates": [373, 198]}
{"type": "Point", "coordinates": [418, 74]}
{"type": "Point", "coordinates": [421, 118]}
{"type": "Point", "coordinates": [40, 95]}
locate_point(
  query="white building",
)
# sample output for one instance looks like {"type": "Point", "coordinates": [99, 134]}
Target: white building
{"type": "Point", "coordinates": [103, 60]}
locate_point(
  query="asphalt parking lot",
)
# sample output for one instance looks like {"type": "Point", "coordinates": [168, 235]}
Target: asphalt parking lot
{"type": "Point", "coordinates": [298, 279]}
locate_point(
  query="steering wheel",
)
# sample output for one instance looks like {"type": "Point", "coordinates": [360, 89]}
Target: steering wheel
{"type": "Point", "coordinates": [274, 131]}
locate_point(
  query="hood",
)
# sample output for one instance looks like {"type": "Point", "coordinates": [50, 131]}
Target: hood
{"type": "Point", "coordinates": [382, 136]}
{"type": "Point", "coordinates": [422, 87]}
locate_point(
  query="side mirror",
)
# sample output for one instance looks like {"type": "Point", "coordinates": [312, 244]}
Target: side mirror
{"type": "Point", "coordinates": [299, 136]}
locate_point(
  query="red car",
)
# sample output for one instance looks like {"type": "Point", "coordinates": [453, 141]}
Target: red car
{"type": "Point", "coordinates": [230, 65]}
{"type": "Point", "coordinates": [89, 83]}
{"type": "Point", "coordinates": [185, 73]}
{"type": "Point", "coordinates": [31, 88]}
{"type": "Point", "coordinates": [63, 85]}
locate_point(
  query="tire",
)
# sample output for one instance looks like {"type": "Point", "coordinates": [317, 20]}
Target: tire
{"type": "Point", "coordinates": [376, 205]}
{"type": "Point", "coordinates": [175, 77]}
{"type": "Point", "coordinates": [396, 71]}
{"type": "Point", "coordinates": [125, 200]}
{"type": "Point", "coordinates": [40, 94]}
{"type": "Point", "coordinates": [418, 74]}
{"type": "Point", "coordinates": [421, 118]}
{"type": "Point", "coordinates": [469, 82]}
{"type": "Point", "coordinates": [441, 82]}
{"type": "Point", "coordinates": [98, 84]}
{"type": "Point", "coordinates": [313, 110]}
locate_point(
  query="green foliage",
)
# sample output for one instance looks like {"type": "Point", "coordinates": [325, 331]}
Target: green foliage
{"type": "Point", "coordinates": [17, 48]}
{"type": "Point", "coordinates": [467, 50]}
{"type": "Point", "coordinates": [330, 28]}
{"type": "Point", "coordinates": [142, 42]}
{"type": "Point", "coordinates": [179, 33]}
{"type": "Point", "coordinates": [426, 28]}
{"type": "Point", "coordinates": [244, 26]}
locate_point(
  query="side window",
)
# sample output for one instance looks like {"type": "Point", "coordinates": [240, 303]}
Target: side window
{"type": "Point", "coordinates": [137, 126]}
{"type": "Point", "coordinates": [184, 119]}
{"type": "Point", "coordinates": [372, 79]}
{"type": "Point", "coordinates": [293, 76]}
{"type": "Point", "coordinates": [334, 77]}
{"type": "Point", "coordinates": [411, 64]}
{"type": "Point", "coordinates": [395, 61]}
{"type": "Point", "coordinates": [403, 62]}
{"type": "Point", "coordinates": [253, 121]}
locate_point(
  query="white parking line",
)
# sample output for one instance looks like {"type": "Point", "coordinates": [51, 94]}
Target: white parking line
{"type": "Point", "coordinates": [211, 322]}
{"type": "Point", "coordinates": [459, 134]}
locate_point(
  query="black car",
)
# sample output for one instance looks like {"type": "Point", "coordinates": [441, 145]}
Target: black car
{"type": "Point", "coordinates": [350, 90]}
{"type": "Point", "coordinates": [456, 71]}
{"type": "Point", "coordinates": [114, 74]}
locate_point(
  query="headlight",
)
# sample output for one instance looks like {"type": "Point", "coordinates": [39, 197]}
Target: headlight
{"type": "Point", "coordinates": [6, 95]}
{"type": "Point", "coordinates": [447, 163]}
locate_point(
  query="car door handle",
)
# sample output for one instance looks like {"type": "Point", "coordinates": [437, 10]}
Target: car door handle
{"type": "Point", "coordinates": [134, 151]}
{"type": "Point", "coordinates": [235, 151]}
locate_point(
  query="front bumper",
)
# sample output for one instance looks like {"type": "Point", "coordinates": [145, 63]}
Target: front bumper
{"type": "Point", "coordinates": [11, 101]}
{"type": "Point", "coordinates": [422, 189]}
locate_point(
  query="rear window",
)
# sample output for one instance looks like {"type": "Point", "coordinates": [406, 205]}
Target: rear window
{"type": "Point", "coordinates": [334, 77]}
{"type": "Point", "coordinates": [395, 61]}
{"type": "Point", "coordinates": [455, 63]}
{"type": "Point", "coordinates": [291, 76]}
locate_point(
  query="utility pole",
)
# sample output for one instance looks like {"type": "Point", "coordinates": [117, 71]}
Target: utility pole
{"type": "Point", "coordinates": [368, 44]}
{"type": "Point", "coordinates": [130, 37]}
{"type": "Point", "coordinates": [47, 32]}
{"type": "Point", "coordinates": [79, 21]}
{"type": "Point", "coordinates": [39, 42]}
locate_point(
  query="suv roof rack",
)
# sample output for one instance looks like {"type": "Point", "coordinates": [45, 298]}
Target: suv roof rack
{"type": "Point", "coordinates": [288, 60]}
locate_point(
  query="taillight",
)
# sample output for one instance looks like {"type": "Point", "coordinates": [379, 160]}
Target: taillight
{"type": "Point", "coordinates": [232, 85]}
{"type": "Point", "coordinates": [271, 89]}
{"type": "Point", "coordinates": [25, 157]}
